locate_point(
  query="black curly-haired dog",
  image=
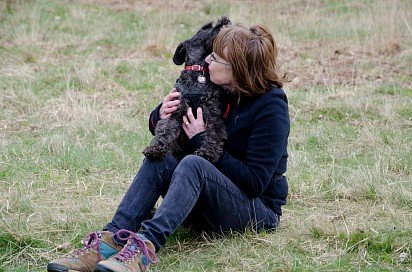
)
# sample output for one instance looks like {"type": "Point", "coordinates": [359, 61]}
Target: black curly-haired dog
{"type": "Point", "coordinates": [196, 91]}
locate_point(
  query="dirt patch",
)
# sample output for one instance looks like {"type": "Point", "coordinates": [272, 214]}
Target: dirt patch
{"type": "Point", "coordinates": [335, 65]}
{"type": "Point", "coordinates": [123, 5]}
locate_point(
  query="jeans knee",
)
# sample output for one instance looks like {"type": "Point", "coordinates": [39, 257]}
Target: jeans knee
{"type": "Point", "coordinates": [193, 162]}
{"type": "Point", "coordinates": [159, 170]}
{"type": "Point", "coordinates": [168, 162]}
{"type": "Point", "coordinates": [191, 166]}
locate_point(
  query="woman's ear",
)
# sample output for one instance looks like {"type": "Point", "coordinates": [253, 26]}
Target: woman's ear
{"type": "Point", "coordinates": [180, 54]}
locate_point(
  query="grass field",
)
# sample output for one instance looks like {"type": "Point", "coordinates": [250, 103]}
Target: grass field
{"type": "Point", "coordinates": [79, 78]}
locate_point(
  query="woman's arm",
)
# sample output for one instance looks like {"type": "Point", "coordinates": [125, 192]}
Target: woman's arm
{"type": "Point", "coordinates": [163, 111]}
{"type": "Point", "coordinates": [154, 118]}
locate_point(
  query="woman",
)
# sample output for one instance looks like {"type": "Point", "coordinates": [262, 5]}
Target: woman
{"type": "Point", "coordinates": [244, 188]}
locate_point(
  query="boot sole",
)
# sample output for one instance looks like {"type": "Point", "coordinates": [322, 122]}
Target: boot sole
{"type": "Point", "coordinates": [59, 268]}
{"type": "Point", "coordinates": [103, 269]}
{"type": "Point", "coordinates": [56, 268]}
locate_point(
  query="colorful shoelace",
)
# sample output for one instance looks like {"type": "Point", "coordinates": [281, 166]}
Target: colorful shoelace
{"type": "Point", "coordinates": [135, 245]}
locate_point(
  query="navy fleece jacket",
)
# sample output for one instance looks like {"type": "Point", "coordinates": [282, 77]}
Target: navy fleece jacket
{"type": "Point", "coordinates": [255, 154]}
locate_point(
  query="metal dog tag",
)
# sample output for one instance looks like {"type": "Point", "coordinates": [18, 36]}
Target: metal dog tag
{"type": "Point", "coordinates": [201, 79]}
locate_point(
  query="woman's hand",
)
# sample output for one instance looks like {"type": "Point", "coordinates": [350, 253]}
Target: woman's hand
{"type": "Point", "coordinates": [191, 125]}
{"type": "Point", "coordinates": [170, 104]}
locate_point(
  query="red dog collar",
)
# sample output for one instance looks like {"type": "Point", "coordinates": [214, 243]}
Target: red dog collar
{"type": "Point", "coordinates": [196, 68]}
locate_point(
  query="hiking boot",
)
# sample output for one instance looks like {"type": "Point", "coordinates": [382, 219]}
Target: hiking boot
{"type": "Point", "coordinates": [136, 256]}
{"type": "Point", "coordinates": [97, 246]}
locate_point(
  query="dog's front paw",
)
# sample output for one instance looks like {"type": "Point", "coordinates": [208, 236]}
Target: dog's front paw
{"type": "Point", "coordinates": [155, 152]}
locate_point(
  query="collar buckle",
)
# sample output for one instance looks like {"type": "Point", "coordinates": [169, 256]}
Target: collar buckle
{"type": "Point", "coordinates": [197, 68]}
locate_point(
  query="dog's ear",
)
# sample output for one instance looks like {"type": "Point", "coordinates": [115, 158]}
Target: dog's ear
{"type": "Point", "coordinates": [208, 25]}
{"type": "Point", "coordinates": [180, 53]}
{"type": "Point", "coordinates": [222, 22]}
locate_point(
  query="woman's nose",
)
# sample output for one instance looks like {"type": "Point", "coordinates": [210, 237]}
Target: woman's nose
{"type": "Point", "coordinates": [207, 59]}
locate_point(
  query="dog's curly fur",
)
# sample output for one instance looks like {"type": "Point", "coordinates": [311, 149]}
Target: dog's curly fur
{"type": "Point", "coordinates": [170, 137]}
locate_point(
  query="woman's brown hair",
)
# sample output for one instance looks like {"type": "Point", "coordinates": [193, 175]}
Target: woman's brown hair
{"type": "Point", "coordinates": [252, 55]}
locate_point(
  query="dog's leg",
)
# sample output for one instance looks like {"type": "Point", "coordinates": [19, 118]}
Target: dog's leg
{"type": "Point", "coordinates": [160, 146]}
{"type": "Point", "coordinates": [215, 133]}
{"type": "Point", "coordinates": [166, 133]}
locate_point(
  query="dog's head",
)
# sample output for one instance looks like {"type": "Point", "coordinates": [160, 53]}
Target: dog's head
{"type": "Point", "coordinates": [195, 50]}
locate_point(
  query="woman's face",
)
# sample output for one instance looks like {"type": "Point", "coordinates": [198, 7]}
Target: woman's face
{"type": "Point", "coordinates": [220, 70]}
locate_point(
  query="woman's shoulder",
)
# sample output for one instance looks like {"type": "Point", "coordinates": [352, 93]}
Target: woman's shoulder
{"type": "Point", "coordinates": [276, 92]}
{"type": "Point", "coordinates": [271, 107]}
{"type": "Point", "coordinates": [274, 95]}
{"type": "Point", "coordinates": [274, 99]}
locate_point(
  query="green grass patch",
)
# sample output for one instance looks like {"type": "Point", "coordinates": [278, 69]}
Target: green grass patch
{"type": "Point", "coordinates": [405, 112]}
{"type": "Point", "coordinates": [335, 114]}
{"type": "Point", "coordinates": [394, 89]}
{"type": "Point", "coordinates": [11, 244]}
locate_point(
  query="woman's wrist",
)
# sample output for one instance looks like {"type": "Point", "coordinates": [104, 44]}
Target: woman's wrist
{"type": "Point", "coordinates": [196, 141]}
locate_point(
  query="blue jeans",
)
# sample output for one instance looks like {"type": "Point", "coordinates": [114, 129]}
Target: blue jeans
{"type": "Point", "coordinates": [195, 193]}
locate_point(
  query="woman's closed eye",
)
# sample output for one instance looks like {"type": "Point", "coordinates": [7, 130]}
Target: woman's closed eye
{"type": "Point", "coordinates": [213, 58]}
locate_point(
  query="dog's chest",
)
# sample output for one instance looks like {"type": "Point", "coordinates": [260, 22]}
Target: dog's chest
{"type": "Point", "coordinates": [192, 90]}
{"type": "Point", "coordinates": [193, 99]}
